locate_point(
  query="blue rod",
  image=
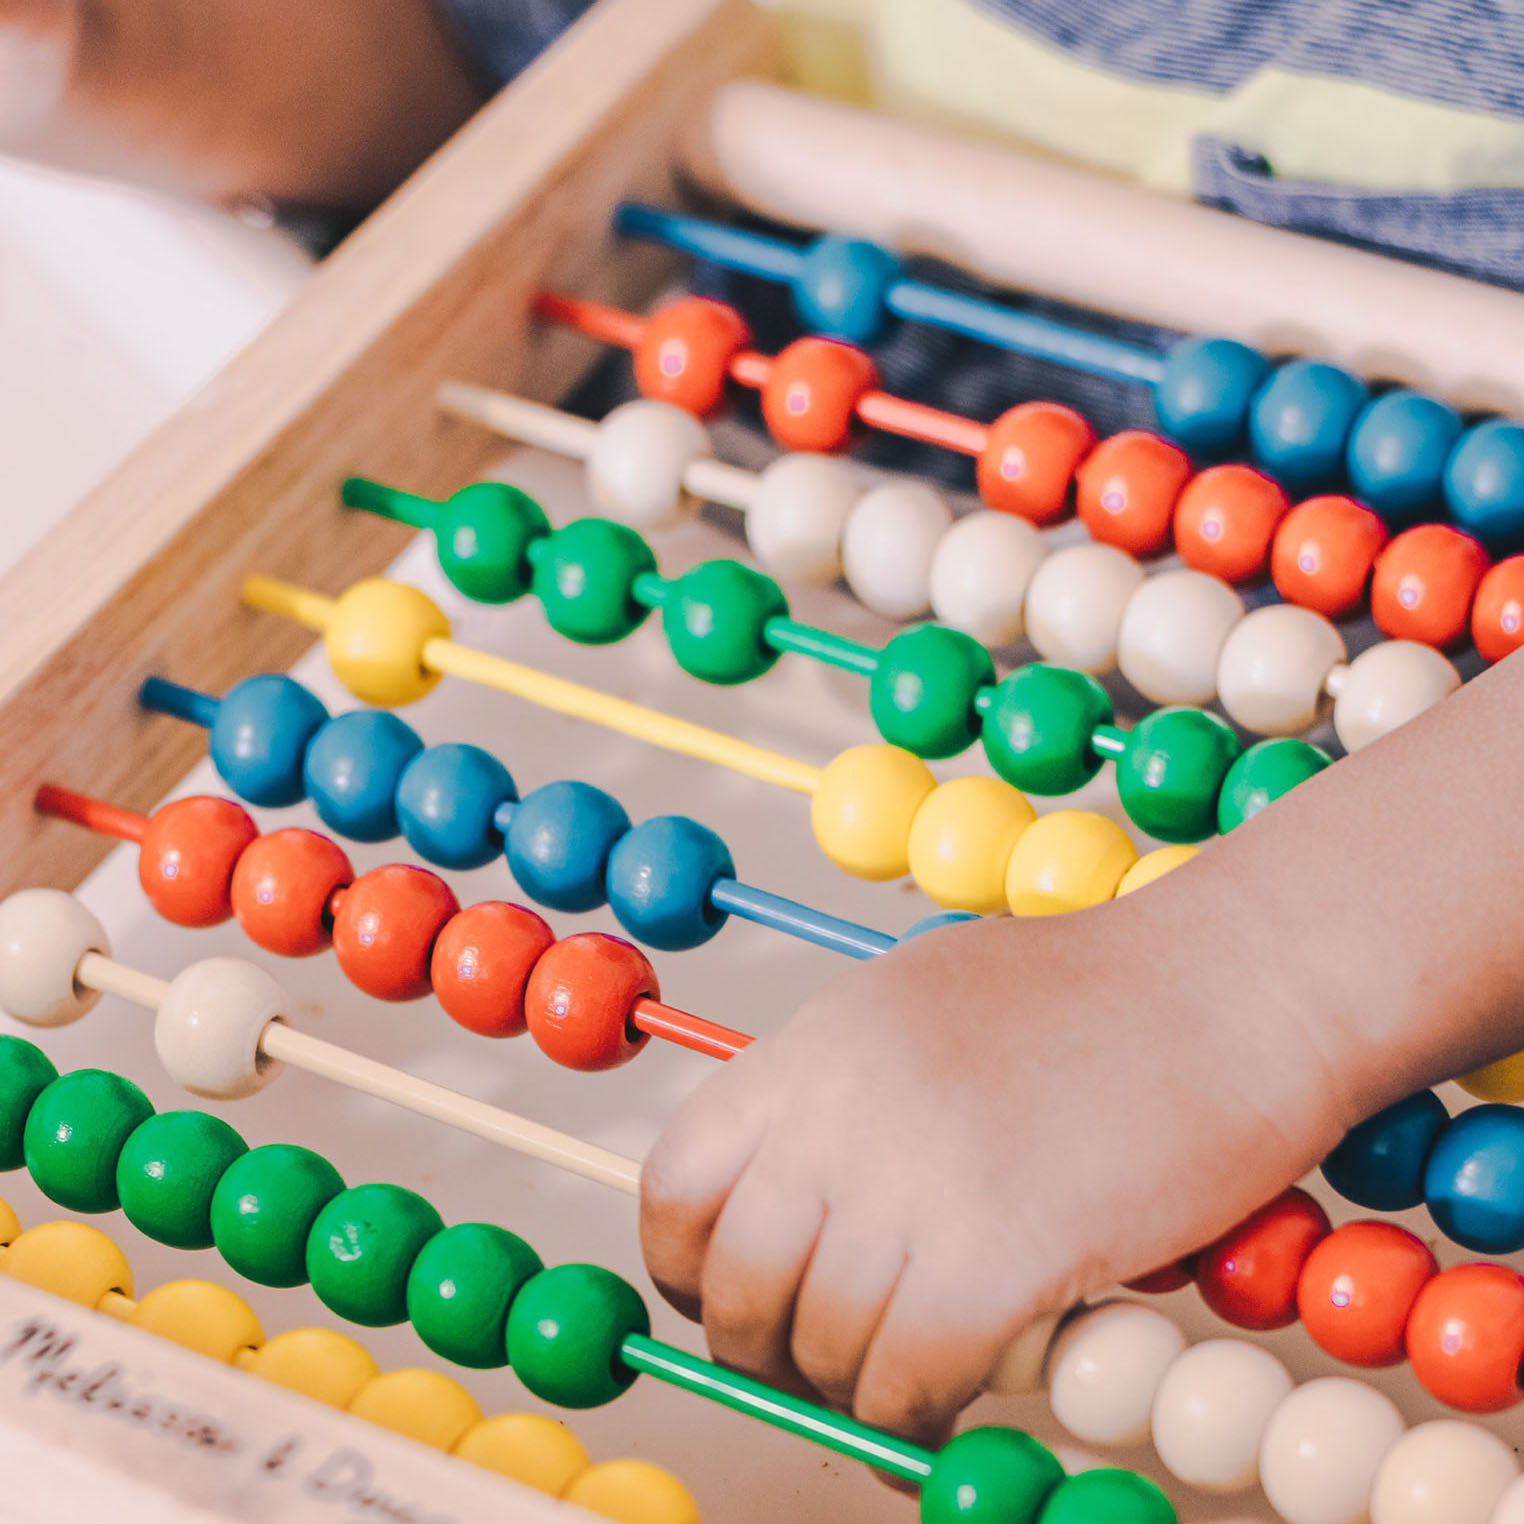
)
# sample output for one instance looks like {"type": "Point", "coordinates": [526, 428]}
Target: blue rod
{"type": "Point", "coordinates": [802, 921]}
{"type": "Point", "coordinates": [164, 697]}
{"type": "Point", "coordinates": [734, 248]}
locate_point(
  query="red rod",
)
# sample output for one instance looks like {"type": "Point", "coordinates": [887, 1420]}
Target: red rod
{"type": "Point", "coordinates": [609, 325]}
{"type": "Point", "coordinates": [691, 1032]}
{"type": "Point", "coordinates": [108, 819]}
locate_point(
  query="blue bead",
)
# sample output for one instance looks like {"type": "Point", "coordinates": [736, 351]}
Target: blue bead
{"type": "Point", "coordinates": [558, 844]}
{"type": "Point", "coordinates": [937, 921]}
{"type": "Point", "coordinates": [659, 878]}
{"type": "Point", "coordinates": [1397, 454]}
{"type": "Point", "coordinates": [1474, 1184]}
{"type": "Point", "coordinates": [842, 287]}
{"type": "Point", "coordinates": [1380, 1163]}
{"type": "Point", "coordinates": [259, 739]}
{"type": "Point", "coordinates": [1202, 400]}
{"type": "Point", "coordinates": [447, 801]}
{"type": "Point", "coordinates": [1300, 420]}
{"type": "Point", "coordinates": [354, 765]}
{"type": "Point", "coordinates": [1484, 482]}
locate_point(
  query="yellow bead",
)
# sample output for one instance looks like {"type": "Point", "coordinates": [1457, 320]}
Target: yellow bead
{"type": "Point", "coordinates": [633, 1492]}
{"type": "Point", "coordinates": [962, 838]}
{"type": "Point", "coordinates": [528, 1447]}
{"type": "Point", "coordinates": [375, 639]}
{"type": "Point", "coordinates": [423, 1405]}
{"type": "Point", "coordinates": [317, 1362]}
{"type": "Point", "coordinates": [863, 807]}
{"type": "Point", "coordinates": [1154, 865]}
{"type": "Point", "coordinates": [70, 1259]}
{"type": "Point", "coordinates": [1502, 1082]}
{"type": "Point", "coordinates": [1066, 861]}
{"type": "Point", "coordinates": [202, 1316]}
{"type": "Point", "coordinates": [10, 1224]}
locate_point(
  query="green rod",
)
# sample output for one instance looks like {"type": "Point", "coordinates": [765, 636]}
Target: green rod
{"type": "Point", "coordinates": [649, 589]}
{"type": "Point", "coordinates": [390, 503]}
{"type": "Point", "coordinates": [1108, 741]}
{"type": "Point", "coordinates": [784, 634]}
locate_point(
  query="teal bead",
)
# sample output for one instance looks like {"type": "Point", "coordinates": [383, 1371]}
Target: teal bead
{"type": "Point", "coordinates": [1173, 770]}
{"type": "Point", "coordinates": [1266, 771]}
{"type": "Point", "coordinates": [990, 1476]}
{"type": "Point", "coordinates": [25, 1072]}
{"type": "Point", "coordinates": [1118, 1497]}
{"type": "Point", "coordinates": [361, 1249]}
{"type": "Point", "coordinates": [263, 1209]}
{"type": "Point", "coordinates": [483, 535]}
{"type": "Point", "coordinates": [1038, 727]}
{"type": "Point", "coordinates": [715, 618]}
{"type": "Point", "coordinates": [584, 576]}
{"type": "Point", "coordinates": [461, 1287]}
{"type": "Point", "coordinates": [168, 1172]}
{"type": "Point", "coordinates": [924, 687]}
{"type": "Point", "coordinates": [75, 1134]}
{"type": "Point", "coordinates": [565, 1330]}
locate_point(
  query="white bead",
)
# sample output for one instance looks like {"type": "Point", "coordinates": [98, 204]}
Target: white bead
{"type": "Point", "coordinates": [1273, 666]}
{"type": "Point", "coordinates": [208, 1028]}
{"type": "Point", "coordinates": [1075, 605]}
{"type": "Point", "coordinates": [980, 575]}
{"type": "Point", "coordinates": [887, 546]}
{"type": "Point", "coordinates": [1385, 687]}
{"type": "Point", "coordinates": [43, 935]}
{"type": "Point", "coordinates": [641, 452]}
{"type": "Point", "coordinates": [1019, 1369]}
{"type": "Point", "coordinates": [1105, 1370]}
{"type": "Point", "coordinates": [1322, 1449]}
{"type": "Point", "coordinates": [1510, 1507]}
{"type": "Point", "coordinates": [795, 519]}
{"type": "Point", "coordinates": [1211, 1410]}
{"type": "Point", "coordinates": [1172, 635]}
{"type": "Point", "coordinates": [1445, 1472]}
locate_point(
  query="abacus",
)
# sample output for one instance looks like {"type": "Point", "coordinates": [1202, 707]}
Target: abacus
{"type": "Point", "coordinates": [596, 898]}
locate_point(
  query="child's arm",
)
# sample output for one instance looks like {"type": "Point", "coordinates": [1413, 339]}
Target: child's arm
{"type": "Point", "coordinates": [995, 1120]}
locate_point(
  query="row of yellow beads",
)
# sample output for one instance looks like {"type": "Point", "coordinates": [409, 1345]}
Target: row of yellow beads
{"type": "Point", "coordinates": [82, 1265]}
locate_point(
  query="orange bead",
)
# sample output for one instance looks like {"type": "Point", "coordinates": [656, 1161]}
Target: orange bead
{"type": "Point", "coordinates": [1323, 554]}
{"type": "Point", "coordinates": [483, 960]}
{"type": "Point", "coordinates": [1497, 614]}
{"type": "Point", "coordinates": [577, 1004]}
{"type": "Point", "coordinates": [685, 352]}
{"type": "Point", "coordinates": [186, 861]}
{"type": "Point", "coordinates": [384, 928]}
{"type": "Point", "coordinates": [810, 398]}
{"type": "Point", "coordinates": [281, 889]}
{"type": "Point", "coordinates": [1357, 1289]}
{"type": "Point", "coordinates": [1424, 583]}
{"type": "Point", "coordinates": [1466, 1337]}
{"type": "Point", "coordinates": [1030, 455]}
{"type": "Point", "coordinates": [1225, 520]}
{"type": "Point", "coordinates": [1125, 492]}
{"type": "Point", "coordinates": [1249, 1276]}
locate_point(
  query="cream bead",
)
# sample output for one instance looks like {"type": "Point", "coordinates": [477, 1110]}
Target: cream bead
{"type": "Point", "coordinates": [1075, 604]}
{"type": "Point", "coordinates": [888, 545]}
{"type": "Point", "coordinates": [209, 1024]}
{"type": "Point", "coordinates": [1322, 1449]}
{"type": "Point", "coordinates": [1273, 666]}
{"type": "Point", "coordinates": [1211, 1411]}
{"type": "Point", "coordinates": [1173, 631]}
{"type": "Point", "coordinates": [43, 935]}
{"type": "Point", "coordinates": [1445, 1472]}
{"type": "Point", "coordinates": [980, 574]}
{"type": "Point", "coordinates": [797, 513]}
{"type": "Point", "coordinates": [1105, 1370]}
{"type": "Point", "coordinates": [1510, 1507]}
{"type": "Point", "coordinates": [641, 452]}
{"type": "Point", "coordinates": [1019, 1369]}
{"type": "Point", "coordinates": [1385, 687]}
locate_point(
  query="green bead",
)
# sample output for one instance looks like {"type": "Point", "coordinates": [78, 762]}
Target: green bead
{"type": "Point", "coordinates": [923, 690]}
{"type": "Point", "coordinates": [167, 1174]}
{"type": "Point", "coordinates": [715, 619]}
{"type": "Point", "coordinates": [483, 535]}
{"type": "Point", "coordinates": [1118, 1497]}
{"type": "Point", "coordinates": [990, 1476]}
{"type": "Point", "coordinates": [461, 1287]}
{"type": "Point", "coordinates": [263, 1208]}
{"type": "Point", "coordinates": [361, 1250]}
{"type": "Point", "coordinates": [1038, 727]}
{"type": "Point", "coordinates": [1172, 772]}
{"type": "Point", "coordinates": [25, 1072]}
{"type": "Point", "coordinates": [584, 575]}
{"type": "Point", "coordinates": [564, 1332]}
{"type": "Point", "coordinates": [1266, 771]}
{"type": "Point", "coordinates": [75, 1134]}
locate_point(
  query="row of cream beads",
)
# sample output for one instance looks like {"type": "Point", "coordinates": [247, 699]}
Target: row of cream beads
{"type": "Point", "coordinates": [1225, 1415]}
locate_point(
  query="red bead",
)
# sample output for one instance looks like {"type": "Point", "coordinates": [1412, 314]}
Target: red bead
{"type": "Point", "coordinates": [579, 999]}
{"type": "Point", "coordinates": [1323, 554]}
{"type": "Point", "coordinates": [282, 887]}
{"type": "Point", "coordinates": [1249, 1276]}
{"type": "Point", "coordinates": [384, 928]}
{"type": "Point", "coordinates": [1030, 455]}
{"type": "Point", "coordinates": [1357, 1289]}
{"type": "Point", "coordinates": [1161, 1282]}
{"type": "Point", "coordinates": [187, 856]}
{"type": "Point", "coordinates": [1424, 583]}
{"type": "Point", "coordinates": [1466, 1337]}
{"type": "Point", "coordinates": [810, 398]}
{"type": "Point", "coordinates": [1225, 520]}
{"type": "Point", "coordinates": [685, 352]}
{"type": "Point", "coordinates": [1126, 491]}
{"type": "Point", "coordinates": [483, 960]}
{"type": "Point", "coordinates": [1497, 614]}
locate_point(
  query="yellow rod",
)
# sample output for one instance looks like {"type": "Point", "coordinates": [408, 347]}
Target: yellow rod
{"type": "Point", "coordinates": [308, 608]}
